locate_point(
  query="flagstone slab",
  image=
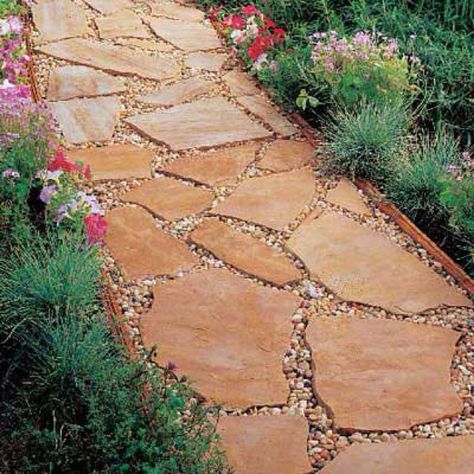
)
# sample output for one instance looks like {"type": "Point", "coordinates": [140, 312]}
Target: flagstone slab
{"type": "Point", "coordinates": [59, 19]}
{"type": "Point", "coordinates": [177, 93]}
{"type": "Point", "coordinates": [273, 201]}
{"type": "Point", "coordinates": [69, 82]}
{"type": "Point", "coordinates": [285, 155]}
{"type": "Point", "coordinates": [115, 162]}
{"type": "Point", "coordinates": [177, 12]}
{"type": "Point", "coordinates": [113, 59]}
{"type": "Point", "coordinates": [123, 23]}
{"type": "Point", "coordinates": [87, 120]}
{"type": "Point", "coordinates": [186, 35]}
{"type": "Point", "coordinates": [212, 62]}
{"type": "Point", "coordinates": [109, 6]}
{"type": "Point", "coordinates": [265, 444]}
{"type": "Point", "coordinates": [215, 168]}
{"type": "Point", "coordinates": [260, 107]}
{"type": "Point", "coordinates": [451, 455]}
{"type": "Point", "coordinates": [383, 375]}
{"type": "Point", "coordinates": [170, 199]}
{"type": "Point", "coordinates": [245, 252]}
{"type": "Point", "coordinates": [240, 84]}
{"type": "Point", "coordinates": [204, 123]}
{"type": "Point", "coordinates": [141, 249]}
{"type": "Point", "coordinates": [231, 352]}
{"type": "Point", "coordinates": [346, 195]}
{"type": "Point", "coordinates": [150, 44]}
{"type": "Point", "coordinates": [361, 265]}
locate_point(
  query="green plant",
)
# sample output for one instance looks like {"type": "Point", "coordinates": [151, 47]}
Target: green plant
{"type": "Point", "coordinates": [9, 7]}
{"type": "Point", "coordinates": [367, 143]}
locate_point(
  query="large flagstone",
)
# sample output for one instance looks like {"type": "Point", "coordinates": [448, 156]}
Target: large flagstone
{"type": "Point", "coordinates": [273, 201]}
{"type": "Point", "coordinates": [141, 249]}
{"type": "Point", "coordinates": [109, 6]}
{"type": "Point", "coordinates": [176, 11]}
{"type": "Point", "coordinates": [285, 155]}
{"type": "Point", "coordinates": [346, 195]}
{"type": "Point", "coordinates": [361, 265]}
{"type": "Point", "coordinates": [383, 374]}
{"type": "Point", "coordinates": [453, 455]}
{"type": "Point", "coordinates": [265, 444]}
{"type": "Point", "coordinates": [113, 59]}
{"type": "Point", "coordinates": [124, 23]}
{"type": "Point", "coordinates": [59, 19]}
{"type": "Point", "coordinates": [240, 84]}
{"type": "Point", "coordinates": [87, 120]}
{"type": "Point", "coordinates": [206, 61]}
{"type": "Point", "coordinates": [205, 123]}
{"type": "Point", "coordinates": [225, 333]}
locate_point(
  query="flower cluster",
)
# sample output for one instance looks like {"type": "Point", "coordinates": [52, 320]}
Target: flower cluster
{"type": "Point", "coordinates": [253, 35]}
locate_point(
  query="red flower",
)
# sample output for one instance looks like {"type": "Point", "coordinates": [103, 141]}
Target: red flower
{"type": "Point", "coordinates": [250, 10]}
{"type": "Point", "coordinates": [269, 23]}
{"type": "Point", "coordinates": [237, 22]}
{"type": "Point", "coordinates": [279, 35]}
{"type": "Point", "coordinates": [96, 228]}
{"type": "Point", "coordinates": [255, 50]}
{"type": "Point", "coordinates": [213, 12]}
{"type": "Point", "coordinates": [61, 163]}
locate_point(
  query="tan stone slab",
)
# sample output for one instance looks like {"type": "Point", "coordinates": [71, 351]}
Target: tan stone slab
{"type": "Point", "coordinates": [240, 84]}
{"type": "Point", "coordinates": [273, 201]}
{"type": "Point", "coordinates": [150, 44]}
{"type": "Point", "coordinates": [215, 168]}
{"type": "Point", "coordinates": [285, 155]}
{"type": "Point", "coordinates": [113, 59]}
{"type": "Point", "coordinates": [205, 123]}
{"type": "Point", "coordinates": [245, 252]}
{"type": "Point", "coordinates": [265, 444]}
{"type": "Point", "coordinates": [453, 455]}
{"type": "Point", "coordinates": [109, 6]}
{"type": "Point", "coordinates": [346, 195]}
{"type": "Point", "coordinates": [232, 352]}
{"type": "Point", "coordinates": [383, 374]}
{"type": "Point", "coordinates": [115, 162]}
{"type": "Point", "coordinates": [361, 265]}
{"type": "Point", "coordinates": [59, 19]}
{"type": "Point", "coordinates": [123, 23]}
{"type": "Point", "coordinates": [141, 249]}
{"type": "Point", "coordinates": [69, 82]}
{"type": "Point", "coordinates": [87, 120]}
{"type": "Point", "coordinates": [177, 12]}
{"type": "Point", "coordinates": [186, 35]}
{"type": "Point", "coordinates": [206, 61]}
{"type": "Point", "coordinates": [260, 107]}
{"type": "Point", "coordinates": [177, 93]}
{"type": "Point", "coordinates": [169, 198]}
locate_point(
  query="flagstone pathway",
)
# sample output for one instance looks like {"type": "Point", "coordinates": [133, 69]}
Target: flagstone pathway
{"type": "Point", "coordinates": [330, 341]}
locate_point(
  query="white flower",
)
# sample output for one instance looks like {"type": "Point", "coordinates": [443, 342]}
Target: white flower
{"type": "Point", "coordinates": [6, 84]}
{"type": "Point", "coordinates": [260, 61]}
{"type": "Point", "coordinates": [4, 27]}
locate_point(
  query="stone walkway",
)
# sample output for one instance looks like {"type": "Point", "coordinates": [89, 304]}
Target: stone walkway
{"type": "Point", "coordinates": [328, 338]}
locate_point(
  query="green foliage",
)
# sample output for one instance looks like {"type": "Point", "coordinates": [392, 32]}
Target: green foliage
{"type": "Point", "coordinates": [9, 7]}
{"type": "Point", "coordinates": [367, 143]}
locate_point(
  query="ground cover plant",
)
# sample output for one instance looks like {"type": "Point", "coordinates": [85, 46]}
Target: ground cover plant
{"type": "Point", "coordinates": [391, 86]}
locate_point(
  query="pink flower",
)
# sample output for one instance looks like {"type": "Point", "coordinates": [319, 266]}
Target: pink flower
{"type": "Point", "coordinates": [250, 10]}
{"type": "Point", "coordinates": [96, 228]}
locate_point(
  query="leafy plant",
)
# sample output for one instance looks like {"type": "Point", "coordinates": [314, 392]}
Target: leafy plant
{"type": "Point", "coordinates": [9, 7]}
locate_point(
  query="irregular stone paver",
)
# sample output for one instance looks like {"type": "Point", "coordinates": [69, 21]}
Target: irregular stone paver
{"type": "Point", "coordinates": [265, 444]}
{"type": "Point", "coordinates": [453, 455]}
{"type": "Point", "coordinates": [123, 23]}
{"type": "Point", "coordinates": [260, 107]}
{"type": "Point", "coordinates": [113, 59]}
{"type": "Point", "coordinates": [215, 168]}
{"type": "Point", "coordinates": [232, 352]}
{"type": "Point", "coordinates": [239, 84]}
{"type": "Point", "coordinates": [383, 374]}
{"type": "Point", "coordinates": [186, 35]}
{"type": "Point", "coordinates": [346, 195]}
{"type": "Point", "coordinates": [176, 11]}
{"type": "Point", "coordinates": [178, 93]}
{"type": "Point", "coordinates": [69, 82]}
{"type": "Point", "coordinates": [150, 44]}
{"type": "Point", "coordinates": [87, 120]}
{"type": "Point", "coordinates": [207, 61]}
{"type": "Point", "coordinates": [361, 265]}
{"type": "Point", "coordinates": [109, 6]}
{"type": "Point", "coordinates": [59, 19]}
{"type": "Point", "coordinates": [115, 161]}
{"type": "Point", "coordinates": [141, 249]}
{"type": "Point", "coordinates": [169, 198]}
{"type": "Point", "coordinates": [245, 252]}
{"type": "Point", "coordinates": [273, 201]}
{"type": "Point", "coordinates": [285, 155]}
{"type": "Point", "coordinates": [204, 123]}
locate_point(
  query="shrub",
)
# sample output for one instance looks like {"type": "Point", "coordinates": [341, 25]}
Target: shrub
{"type": "Point", "coordinates": [9, 7]}
{"type": "Point", "coordinates": [367, 143]}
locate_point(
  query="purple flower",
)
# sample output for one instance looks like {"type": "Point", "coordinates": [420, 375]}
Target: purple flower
{"type": "Point", "coordinates": [9, 173]}
{"type": "Point", "coordinates": [16, 25]}
{"type": "Point", "coordinates": [47, 193]}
